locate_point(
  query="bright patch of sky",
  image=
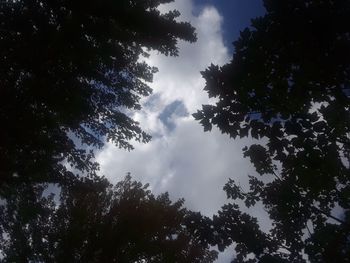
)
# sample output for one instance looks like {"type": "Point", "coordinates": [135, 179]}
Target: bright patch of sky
{"type": "Point", "coordinates": [236, 13]}
{"type": "Point", "coordinates": [181, 158]}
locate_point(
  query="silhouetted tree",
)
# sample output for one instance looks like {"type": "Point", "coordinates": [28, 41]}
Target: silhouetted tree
{"type": "Point", "coordinates": [288, 86]}
{"type": "Point", "coordinates": [69, 70]}
{"type": "Point", "coordinates": [94, 221]}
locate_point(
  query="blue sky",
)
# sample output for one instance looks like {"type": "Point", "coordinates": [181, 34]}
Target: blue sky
{"type": "Point", "coordinates": [181, 158]}
{"type": "Point", "coordinates": [236, 14]}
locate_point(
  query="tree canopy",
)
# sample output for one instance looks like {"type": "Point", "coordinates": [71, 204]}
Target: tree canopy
{"type": "Point", "coordinates": [70, 73]}
{"type": "Point", "coordinates": [287, 86]}
{"type": "Point", "coordinates": [70, 70]}
{"type": "Point", "coordinates": [94, 221]}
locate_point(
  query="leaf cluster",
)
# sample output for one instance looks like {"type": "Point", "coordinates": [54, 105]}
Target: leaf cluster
{"type": "Point", "coordinates": [71, 71]}
{"type": "Point", "coordinates": [94, 221]}
{"type": "Point", "coordinates": [287, 86]}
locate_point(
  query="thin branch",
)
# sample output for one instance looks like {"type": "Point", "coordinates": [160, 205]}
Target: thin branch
{"type": "Point", "coordinates": [329, 215]}
{"type": "Point", "coordinates": [281, 245]}
{"type": "Point", "coordinates": [278, 177]}
{"type": "Point", "coordinates": [307, 227]}
{"type": "Point", "coordinates": [313, 207]}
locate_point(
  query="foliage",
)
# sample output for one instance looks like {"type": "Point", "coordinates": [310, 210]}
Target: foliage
{"type": "Point", "coordinates": [94, 221]}
{"type": "Point", "coordinates": [70, 70]}
{"type": "Point", "coordinates": [288, 87]}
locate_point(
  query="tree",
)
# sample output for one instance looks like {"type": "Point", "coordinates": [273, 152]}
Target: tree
{"type": "Point", "coordinates": [70, 70]}
{"type": "Point", "coordinates": [288, 87]}
{"type": "Point", "coordinates": [94, 221]}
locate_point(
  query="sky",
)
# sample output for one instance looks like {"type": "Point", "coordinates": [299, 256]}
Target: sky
{"type": "Point", "coordinates": [182, 159]}
{"type": "Point", "coordinates": [236, 15]}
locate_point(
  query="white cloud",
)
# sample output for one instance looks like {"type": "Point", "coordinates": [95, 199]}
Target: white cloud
{"type": "Point", "coordinates": [184, 161]}
{"type": "Point", "coordinates": [179, 77]}
{"type": "Point", "coordinates": [188, 163]}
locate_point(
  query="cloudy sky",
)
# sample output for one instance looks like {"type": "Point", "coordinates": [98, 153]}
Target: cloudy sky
{"type": "Point", "coordinates": [181, 158]}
